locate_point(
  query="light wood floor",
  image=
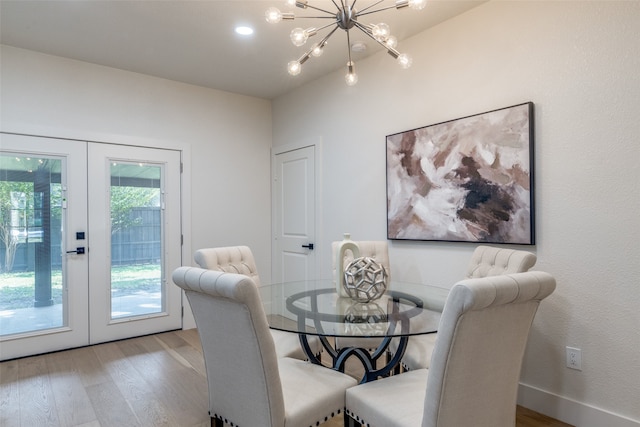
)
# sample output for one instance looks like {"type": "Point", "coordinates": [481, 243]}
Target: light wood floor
{"type": "Point", "coordinates": [157, 380]}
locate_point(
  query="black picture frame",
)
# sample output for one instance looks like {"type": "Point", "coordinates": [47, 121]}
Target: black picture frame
{"type": "Point", "coordinates": [465, 180]}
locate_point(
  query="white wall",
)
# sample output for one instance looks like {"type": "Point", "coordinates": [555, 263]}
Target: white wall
{"type": "Point", "coordinates": [228, 162]}
{"type": "Point", "coordinates": [579, 62]}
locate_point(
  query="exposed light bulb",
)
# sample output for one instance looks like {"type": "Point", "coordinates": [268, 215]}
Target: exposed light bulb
{"type": "Point", "coordinates": [294, 68]}
{"type": "Point", "coordinates": [381, 31]}
{"type": "Point", "coordinates": [391, 42]}
{"type": "Point", "coordinates": [298, 36]}
{"type": "Point", "coordinates": [405, 60]}
{"type": "Point", "coordinates": [351, 77]}
{"type": "Point", "coordinates": [417, 4]}
{"type": "Point", "coordinates": [273, 15]}
{"type": "Point", "coordinates": [317, 50]}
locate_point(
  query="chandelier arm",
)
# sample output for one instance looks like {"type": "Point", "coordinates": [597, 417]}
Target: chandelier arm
{"type": "Point", "coordinates": [363, 13]}
{"type": "Point", "coordinates": [389, 49]}
{"type": "Point", "coordinates": [322, 42]}
{"type": "Point", "coordinates": [321, 10]}
{"type": "Point", "coordinates": [349, 46]}
{"type": "Point", "coordinates": [370, 6]}
{"type": "Point", "coordinates": [365, 29]}
{"type": "Point", "coordinates": [304, 57]}
{"type": "Point", "coordinates": [328, 25]}
{"type": "Point", "coordinates": [332, 16]}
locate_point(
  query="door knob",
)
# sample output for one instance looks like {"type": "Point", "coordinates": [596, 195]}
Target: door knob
{"type": "Point", "coordinates": [309, 246]}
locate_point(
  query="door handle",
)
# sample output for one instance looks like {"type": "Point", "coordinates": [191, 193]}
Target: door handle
{"type": "Point", "coordinates": [79, 250]}
{"type": "Point", "coordinates": [309, 246]}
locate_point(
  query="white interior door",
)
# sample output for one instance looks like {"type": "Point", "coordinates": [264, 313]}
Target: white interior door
{"type": "Point", "coordinates": [294, 257]}
{"type": "Point", "coordinates": [89, 234]}
{"type": "Point", "coordinates": [134, 211]}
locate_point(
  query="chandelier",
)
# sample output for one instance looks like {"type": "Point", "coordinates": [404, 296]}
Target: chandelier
{"type": "Point", "coordinates": [346, 18]}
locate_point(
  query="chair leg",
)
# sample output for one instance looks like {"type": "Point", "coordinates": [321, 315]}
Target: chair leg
{"type": "Point", "coordinates": [350, 422]}
{"type": "Point", "coordinates": [216, 422]}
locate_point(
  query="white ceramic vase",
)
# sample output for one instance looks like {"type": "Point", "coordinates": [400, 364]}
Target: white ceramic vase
{"type": "Point", "coordinates": [343, 246]}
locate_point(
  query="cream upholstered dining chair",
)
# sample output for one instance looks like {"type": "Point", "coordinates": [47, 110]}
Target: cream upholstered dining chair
{"type": "Point", "coordinates": [475, 367]}
{"type": "Point", "coordinates": [378, 250]}
{"type": "Point", "coordinates": [485, 261]}
{"type": "Point", "coordinates": [240, 260]}
{"type": "Point", "coordinates": [248, 384]}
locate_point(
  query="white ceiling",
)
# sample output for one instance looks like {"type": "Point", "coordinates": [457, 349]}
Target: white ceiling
{"type": "Point", "coordinates": [194, 41]}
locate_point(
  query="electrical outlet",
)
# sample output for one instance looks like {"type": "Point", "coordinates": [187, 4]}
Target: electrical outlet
{"type": "Point", "coordinates": [574, 358]}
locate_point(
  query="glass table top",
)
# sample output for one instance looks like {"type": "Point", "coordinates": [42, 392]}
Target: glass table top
{"type": "Point", "coordinates": [315, 308]}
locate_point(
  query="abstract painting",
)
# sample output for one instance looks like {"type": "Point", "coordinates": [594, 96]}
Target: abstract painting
{"type": "Point", "coordinates": [465, 180]}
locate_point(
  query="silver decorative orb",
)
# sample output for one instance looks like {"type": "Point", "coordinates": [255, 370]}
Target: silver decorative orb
{"type": "Point", "coordinates": [365, 279]}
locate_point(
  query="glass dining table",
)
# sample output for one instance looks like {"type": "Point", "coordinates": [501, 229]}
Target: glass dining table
{"type": "Point", "coordinates": [314, 308]}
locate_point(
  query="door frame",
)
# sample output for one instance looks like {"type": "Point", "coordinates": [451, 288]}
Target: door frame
{"type": "Point", "coordinates": [316, 143]}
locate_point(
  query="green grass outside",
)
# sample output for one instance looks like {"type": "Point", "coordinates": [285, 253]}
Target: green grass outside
{"type": "Point", "coordinates": [17, 290]}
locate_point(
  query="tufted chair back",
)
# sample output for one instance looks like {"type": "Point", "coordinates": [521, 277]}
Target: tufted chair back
{"type": "Point", "coordinates": [230, 259]}
{"type": "Point", "coordinates": [489, 261]}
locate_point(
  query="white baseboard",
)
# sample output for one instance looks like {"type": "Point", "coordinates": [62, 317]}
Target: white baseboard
{"type": "Point", "coordinates": [569, 411]}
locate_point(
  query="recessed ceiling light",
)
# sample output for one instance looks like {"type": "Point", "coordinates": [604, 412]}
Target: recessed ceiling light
{"type": "Point", "coordinates": [244, 31]}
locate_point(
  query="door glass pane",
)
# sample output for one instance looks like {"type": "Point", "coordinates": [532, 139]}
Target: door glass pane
{"type": "Point", "coordinates": [31, 219]}
{"type": "Point", "coordinates": [136, 240]}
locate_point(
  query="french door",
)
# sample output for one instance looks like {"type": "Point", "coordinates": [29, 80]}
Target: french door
{"type": "Point", "coordinates": [89, 236]}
